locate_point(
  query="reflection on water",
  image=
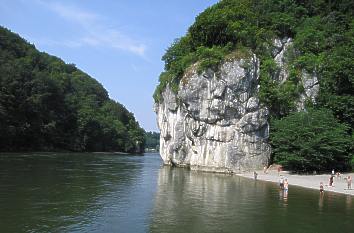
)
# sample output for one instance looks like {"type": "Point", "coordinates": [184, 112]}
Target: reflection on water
{"type": "Point", "coordinates": [320, 202]}
{"type": "Point", "coordinates": [110, 193]}
{"type": "Point", "coordinates": [63, 192]}
{"type": "Point", "coordinates": [188, 201]}
{"type": "Point", "coordinates": [349, 200]}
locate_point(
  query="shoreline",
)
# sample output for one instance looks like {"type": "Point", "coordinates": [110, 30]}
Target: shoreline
{"type": "Point", "coordinates": [305, 181]}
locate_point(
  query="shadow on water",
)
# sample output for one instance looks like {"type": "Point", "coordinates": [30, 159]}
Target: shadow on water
{"type": "Point", "coordinates": [188, 201]}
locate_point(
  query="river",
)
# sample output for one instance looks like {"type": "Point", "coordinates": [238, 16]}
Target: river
{"type": "Point", "coordinates": [88, 192]}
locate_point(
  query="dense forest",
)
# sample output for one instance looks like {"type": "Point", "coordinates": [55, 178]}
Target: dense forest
{"type": "Point", "coordinates": [322, 32]}
{"type": "Point", "coordinates": [46, 104]}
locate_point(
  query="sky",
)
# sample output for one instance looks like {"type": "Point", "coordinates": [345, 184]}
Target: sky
{"type": "Point", "coordinates": [118, 42]}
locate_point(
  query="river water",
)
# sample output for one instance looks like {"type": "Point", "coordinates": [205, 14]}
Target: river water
{"type": "Point", "coordinates": [120, 193]}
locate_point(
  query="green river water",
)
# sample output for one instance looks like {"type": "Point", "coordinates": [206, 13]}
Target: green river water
{"type": "Point", "coordinates": [48, 192]}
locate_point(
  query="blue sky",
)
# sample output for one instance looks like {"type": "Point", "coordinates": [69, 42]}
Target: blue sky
{"type": "Point", "coordinates": [118, 42]}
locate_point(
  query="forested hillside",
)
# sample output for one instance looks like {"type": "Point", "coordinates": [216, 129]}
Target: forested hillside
{"type": "Point", "coordinates": [322, 34]}
{"type": "Point", "coordinates": [46, 104]}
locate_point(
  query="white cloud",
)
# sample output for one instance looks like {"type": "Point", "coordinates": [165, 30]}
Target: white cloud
{"type": "Point", "coordinates": [72, 13]}
{"type": "Point", "coordinates": [96, 33]}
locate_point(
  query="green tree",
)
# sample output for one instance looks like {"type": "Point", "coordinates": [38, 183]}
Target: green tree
{"type": "Point", "coordinates": [311, 141]}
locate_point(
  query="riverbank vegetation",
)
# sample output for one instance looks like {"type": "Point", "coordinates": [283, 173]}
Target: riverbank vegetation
{"type": "Point", "coordinates": [311, 141]}
{"type": "Point", "coordinates": [48, 105]}
{"type": "Point", "coordinates": [322, 33]}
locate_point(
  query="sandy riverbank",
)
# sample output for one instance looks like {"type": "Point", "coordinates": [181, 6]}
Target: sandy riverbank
{"type": "Point", "coordinates": [306, 181]}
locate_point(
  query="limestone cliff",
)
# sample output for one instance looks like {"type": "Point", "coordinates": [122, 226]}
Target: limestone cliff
{"type": "Point", "coordinates": [215, 122]}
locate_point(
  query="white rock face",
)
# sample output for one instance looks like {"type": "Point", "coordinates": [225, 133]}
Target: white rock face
{"type": "Point", "coordinates": [215, 123]}
{"type": "Point", "coordinates": [311, 89]}
{"type": "Point", "coordinates": [280, 49]}
{"type": "Point", "coordinates": [308, 81]}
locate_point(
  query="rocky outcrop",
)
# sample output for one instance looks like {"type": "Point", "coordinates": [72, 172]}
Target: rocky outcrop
{"type": "Point", "coordinates": [311, 89]}
{"type": "Point", "coordinates": [309, 81]}
{"type": "Point", "coordinates": [215, 122]}
{"type": "Point", "coordinates": [281, 47]}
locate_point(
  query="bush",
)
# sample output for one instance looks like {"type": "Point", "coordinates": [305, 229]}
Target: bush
{"type": "Point", "coordinates": [311, 141]}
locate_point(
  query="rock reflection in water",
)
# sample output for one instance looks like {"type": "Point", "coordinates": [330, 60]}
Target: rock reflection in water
{"type": "Point", "coordinates": [189, 201]}
{"type": "Point", "coordinates": [65, 192]}
{"type": "Point", "coordinates": [205, 202]}
{"type": "Point", "coordinates": [110, 193]}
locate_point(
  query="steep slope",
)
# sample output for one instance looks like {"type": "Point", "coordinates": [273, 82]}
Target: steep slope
{"type": "Point", "coordinates": [46, 104]}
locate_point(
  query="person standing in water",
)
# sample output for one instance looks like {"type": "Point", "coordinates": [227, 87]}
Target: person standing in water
{"type": "Point", "coordinates": [286, 185]}
{"type": "Point", "coordinates": [281, 183]}
{"type": "Point", "coordinates": [349, 182]}
{"type": "Point", "coordinates": [321, 188]}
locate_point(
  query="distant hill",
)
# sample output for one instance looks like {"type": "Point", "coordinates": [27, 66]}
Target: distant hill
{"type": "Point", "coordinates": [152, 141]}
{"type": "Point", "coordinates": [46, 104]}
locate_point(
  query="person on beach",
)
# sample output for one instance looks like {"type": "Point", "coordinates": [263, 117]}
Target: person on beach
{"type": "Point", "coordinates": [338, 175]}
{"type": "Point", "coordinates": [281, 183]}
{"type": "Point", "coordinates": [255, 174]}
{"type": "Point", "coordinates": [331, 181]}
{"type": "Point", "coordinates": [321, 187]}
{"type": "Point", "coordinates": [265, 170]}
{"type": "Point", "coordinates": [349, 182]}
{"type": "Point", "coordinates": [286, 185]}
{"type": "Point", "coordinates": [332, 172]}
{"type": "Point", "coordinates": [279, 170]}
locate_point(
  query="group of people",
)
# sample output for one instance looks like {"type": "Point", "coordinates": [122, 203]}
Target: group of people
{"type": "Point", "coordinates": [331, 180]}
{"type": "Point", "coordinates": [283, 184]}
